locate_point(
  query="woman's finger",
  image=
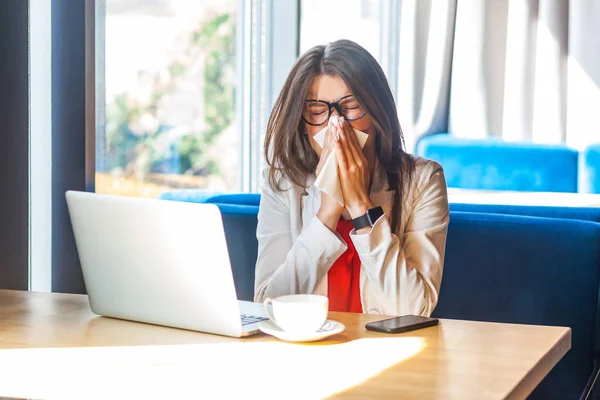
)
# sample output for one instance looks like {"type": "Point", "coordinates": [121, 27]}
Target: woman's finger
{"type": "Point", "coordinates": [341, 154]}
{"type": "Point", "coordinates": [351, 134]}
{"type": "Point", "coordinates": [354, 147]}
{"type": "Point", "coordinates": [345, 144]}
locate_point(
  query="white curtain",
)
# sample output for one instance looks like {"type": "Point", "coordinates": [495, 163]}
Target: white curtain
{"type": "Point", "coordinates": [583, 76]}
{"type": "Point", "coordinates": [522, 70]}
{"type": "Point", "coordinates": [426, 34]}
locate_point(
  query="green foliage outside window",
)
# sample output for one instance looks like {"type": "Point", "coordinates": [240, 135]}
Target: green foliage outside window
{"type": "Point", "coordinates": [136, 144]}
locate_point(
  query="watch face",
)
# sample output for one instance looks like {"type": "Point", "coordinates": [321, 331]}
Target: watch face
{"type": "Point", "coordinates": [374, 214]}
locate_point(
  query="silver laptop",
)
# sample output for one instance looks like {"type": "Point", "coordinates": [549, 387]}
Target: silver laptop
{"type": "Point", "coordinates": [159, 262]}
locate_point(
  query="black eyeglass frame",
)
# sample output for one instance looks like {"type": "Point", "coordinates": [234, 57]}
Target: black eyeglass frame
{"type": "Point", "coordinates": [336, 105]}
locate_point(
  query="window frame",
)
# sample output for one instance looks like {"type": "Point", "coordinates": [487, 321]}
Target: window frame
{"type": "Point", "coordinates": [40, 145]}
{"type": "Point", "coordinates": [270, 43]}
{"type": "Point", "coordinates": [14, 145]}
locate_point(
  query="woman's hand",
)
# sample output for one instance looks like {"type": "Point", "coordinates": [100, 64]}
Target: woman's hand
{"type": "Point", "coordinates": [330, 211]}
{"type": "Point", "coordinates": [353, 169]}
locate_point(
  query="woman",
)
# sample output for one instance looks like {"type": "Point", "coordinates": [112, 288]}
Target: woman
{"type": "Point", "coordinates": [383, 251]}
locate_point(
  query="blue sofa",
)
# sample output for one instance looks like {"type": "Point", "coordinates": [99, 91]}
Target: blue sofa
{"type": "Point", "coordinates": [576, 213]}
{"type": "Point", "coordinates": [517, 264]}
{"type": "Point", "coordinates": [590, 170]}
{"type": "Point", "coordinates": [239, 223]}
{"type": "Point", "coordinates": [493, 164]}
{"type": "Point", "coordinates": [203, 196]}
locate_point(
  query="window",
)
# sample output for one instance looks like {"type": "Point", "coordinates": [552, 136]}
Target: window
{"type": "Point", "coordinates": [168, 79]}
{"type": "Point", "coordinates": [356, 20]}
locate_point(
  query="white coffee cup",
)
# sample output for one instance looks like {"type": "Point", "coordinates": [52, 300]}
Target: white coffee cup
{"type": "Point", "coordinates": [298, 313]}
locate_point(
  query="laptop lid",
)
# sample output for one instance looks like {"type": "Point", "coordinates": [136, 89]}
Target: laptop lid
{"type": "Point", "coordinates": [155, 261]}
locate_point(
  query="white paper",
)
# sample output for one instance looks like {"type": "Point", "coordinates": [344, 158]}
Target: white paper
{"type": "Point", "coordinates": [328, 180]}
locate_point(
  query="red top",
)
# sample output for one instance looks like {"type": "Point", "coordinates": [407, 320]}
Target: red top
{"type": "Point", "coordinates": [343, 278]}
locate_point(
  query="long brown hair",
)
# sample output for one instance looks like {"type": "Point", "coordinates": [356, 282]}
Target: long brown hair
{"type": "Point", "coordinates": [288, 151]}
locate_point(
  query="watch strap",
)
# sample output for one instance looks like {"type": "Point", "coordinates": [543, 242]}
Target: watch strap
{"type": "Point", "coordinates": [367, 219]}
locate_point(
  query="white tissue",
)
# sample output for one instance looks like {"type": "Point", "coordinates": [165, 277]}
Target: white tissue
{"type": "Point", "coordinates": [328, 180]}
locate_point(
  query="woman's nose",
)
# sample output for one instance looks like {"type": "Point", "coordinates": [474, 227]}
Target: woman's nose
{"type": "Point", "coordinates": [335, 112]}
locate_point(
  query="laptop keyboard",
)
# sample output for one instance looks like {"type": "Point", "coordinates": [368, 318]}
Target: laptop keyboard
{"type": "Point", "coordinates": [252, 319]}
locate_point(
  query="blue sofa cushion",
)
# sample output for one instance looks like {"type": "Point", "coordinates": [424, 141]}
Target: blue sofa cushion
{"type": "Point", "coordinates": [580, 213]}
{"type": "Point", "coordinates": [247, 199]}
{"type": "Point", "coordinates": [527, 270]}
{"type": "Point", "coordinates": [590, 170]}
{"type": "Point", "coordinates": [204, 196]}
{"type": "Point", "coordinates": [496, 165]}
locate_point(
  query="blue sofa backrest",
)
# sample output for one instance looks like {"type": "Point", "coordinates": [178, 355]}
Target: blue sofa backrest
{"type": "Point", "coordinates": [496, 165]}
{"type": "Point", "coordinates": [589, 176]}
{"type": "Point", "coordinates": [253, 199]}
{"type": "Point", "coordinates": [527, 270]}
{"type": "Point", "coordinates": [245, 199]}
{"type": "Point", "coordinates": [240, 222]}
{"type": "Point", "coordinates": [579, 213]}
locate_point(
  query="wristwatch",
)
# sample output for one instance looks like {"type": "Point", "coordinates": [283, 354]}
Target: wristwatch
{"type": "Point", "coordinates": [368, 219]}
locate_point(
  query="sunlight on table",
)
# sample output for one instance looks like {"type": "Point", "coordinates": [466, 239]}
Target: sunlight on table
{"type": "Point", "coordinates": [168, 371]}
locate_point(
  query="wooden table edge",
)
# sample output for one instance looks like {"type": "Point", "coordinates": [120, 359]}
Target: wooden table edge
{"type": "Point", "coordinates": [544, 365]}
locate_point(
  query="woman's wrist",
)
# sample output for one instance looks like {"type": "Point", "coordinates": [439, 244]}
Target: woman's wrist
{"type": "Point", "coordinates": [329, 217]}
{"type": "Point", "coordinates": [360, 208]}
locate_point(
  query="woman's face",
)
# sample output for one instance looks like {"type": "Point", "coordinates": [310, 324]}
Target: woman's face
{"type": "Point", "coordinates": [332, 88]}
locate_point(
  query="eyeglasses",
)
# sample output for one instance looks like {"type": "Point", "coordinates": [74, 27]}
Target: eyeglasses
{"type": "Point", "coordinates": [317, 112]}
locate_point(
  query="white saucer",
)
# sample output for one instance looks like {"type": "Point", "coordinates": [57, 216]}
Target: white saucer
{"type": "Point", "coordinates": [329, 328]}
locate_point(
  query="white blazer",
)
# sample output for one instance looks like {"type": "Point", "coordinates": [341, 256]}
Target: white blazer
{"type": "Point", "coordinates": [399, 275]}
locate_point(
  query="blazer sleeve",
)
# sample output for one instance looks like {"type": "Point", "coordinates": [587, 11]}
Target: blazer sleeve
{"type": "Point", "coordinates": [285, 266]}
{"type": "Point", "coordinates": [406, 275]}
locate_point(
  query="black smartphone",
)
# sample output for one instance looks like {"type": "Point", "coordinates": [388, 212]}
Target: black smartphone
{"type": "Point", "coordinates": [405, 323]}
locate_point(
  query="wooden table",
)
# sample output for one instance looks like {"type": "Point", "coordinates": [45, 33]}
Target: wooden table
{"type": "Point", "coordinates": [53, 347]}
